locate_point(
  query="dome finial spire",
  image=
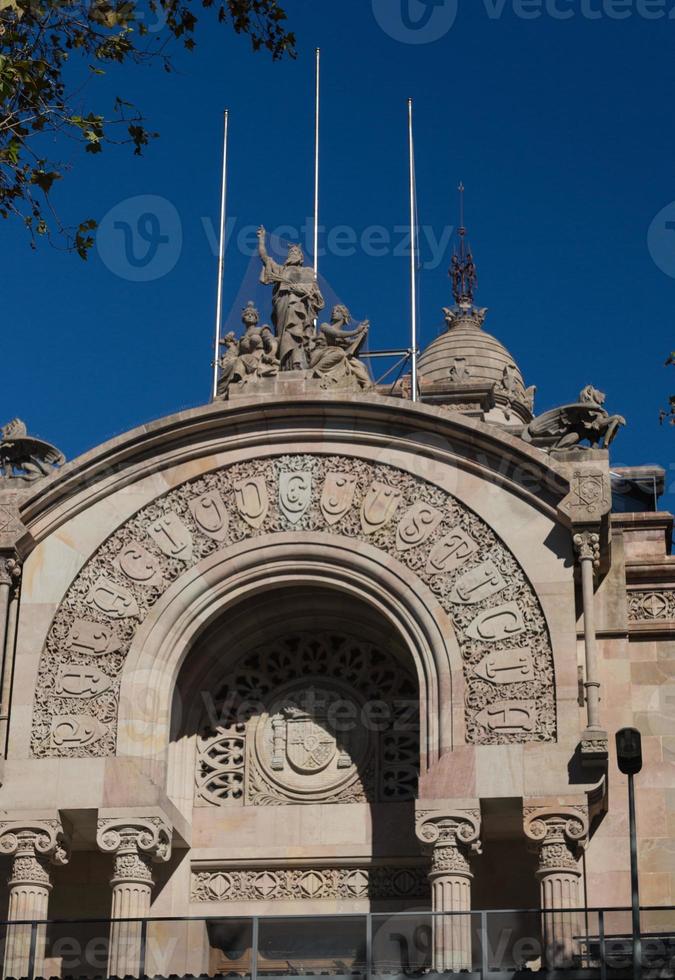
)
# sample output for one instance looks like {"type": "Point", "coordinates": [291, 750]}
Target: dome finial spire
{"type": "Point", "coordinates": [463, 268]}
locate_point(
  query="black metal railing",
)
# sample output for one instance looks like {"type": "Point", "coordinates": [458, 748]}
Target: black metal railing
{"type": "Point", "coordinates": [485, 945]}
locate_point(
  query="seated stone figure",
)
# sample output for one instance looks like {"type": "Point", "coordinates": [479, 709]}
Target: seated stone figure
{"type": "Point", "coordinates": [254, 355]}
{"type": "Point", "coordinates": [334, 355]}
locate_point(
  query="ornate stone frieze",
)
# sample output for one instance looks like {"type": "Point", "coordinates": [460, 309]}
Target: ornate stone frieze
{"type": "Point", "coordinates": [474, 577]}
{"type": "Point", "coordinates": [594, 746]}
{"type": "Point", "coordinates": [645, 606]}
{"type": "Point", "coordinates": [225, 884]}
{"type": "Point", "coordinates": [291, 724]}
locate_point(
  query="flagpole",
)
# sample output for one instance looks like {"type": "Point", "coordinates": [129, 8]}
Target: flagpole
{"type": "Point", "coordinates": [317, 85]}
{"type": "Point", "coordinates": [413, 257]}
{"type": "Point", "coordinates": [221, 260]}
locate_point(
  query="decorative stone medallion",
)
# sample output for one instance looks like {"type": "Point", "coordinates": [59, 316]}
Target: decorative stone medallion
{"type": "Point", "coordinates": [649, 606]}
{"type": "Point", "coordinates": [475, 578]}
{"type": "Point", "coordinates": [299, 746]}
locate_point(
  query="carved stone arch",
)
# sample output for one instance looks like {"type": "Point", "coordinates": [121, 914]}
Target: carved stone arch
{"type": "Point", "coordinates": [259, 648]}
{"type": "Point", "coordinates": [442, 564]}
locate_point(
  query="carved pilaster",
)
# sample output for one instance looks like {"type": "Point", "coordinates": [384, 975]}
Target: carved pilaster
{"type": "Point", "coordinates": [33, 846]}
{"type": "Point", "coordinates": [558, 835]}
{"type": "Point", "coordinates": [136, 844]}
{"type": "Point", "coordinates": [450, 837]}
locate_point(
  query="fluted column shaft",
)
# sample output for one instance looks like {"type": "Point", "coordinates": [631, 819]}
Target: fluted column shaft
{"type": "Point", "coordinates": [135, 845]}
{"type": "Point", "coordinates": [450, 879]}
{"type": "Point", "coordinates": [558, 837]}
{"type": "Point", "coordinates": [33, 848]}
{"type": "Point", "coordinates": [450, 837]}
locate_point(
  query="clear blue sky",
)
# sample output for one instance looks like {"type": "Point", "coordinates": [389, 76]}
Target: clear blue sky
{"type": "Point", "coordinates": [563, 131]}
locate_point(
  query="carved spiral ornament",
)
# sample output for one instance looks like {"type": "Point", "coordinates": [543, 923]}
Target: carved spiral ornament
{"type": "Point", "coordinates": [498, 621]}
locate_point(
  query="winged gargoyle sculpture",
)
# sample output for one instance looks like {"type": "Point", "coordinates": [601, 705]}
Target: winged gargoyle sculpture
{"type": "Point", "coordinates": [568, 426]}
{"type": "Point", "coordinates": [22, 457]}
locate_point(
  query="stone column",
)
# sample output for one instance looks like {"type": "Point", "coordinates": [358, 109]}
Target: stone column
{"type": "Point", "coordinates": [136, 843]}
{"type": "Point", "coordinates": [33, 845]}
{"type": "Point", "coordinates": [450, 836]}
{"type": "Point", "coordinates": [558, 833]}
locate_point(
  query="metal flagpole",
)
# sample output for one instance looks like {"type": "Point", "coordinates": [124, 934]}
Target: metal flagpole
{"type": "Point", "coordinates": [221, 260]}
{"type": "Point", "coordinates": [317, 80]}
{"type": "Point", "coordinates": [413, 257]}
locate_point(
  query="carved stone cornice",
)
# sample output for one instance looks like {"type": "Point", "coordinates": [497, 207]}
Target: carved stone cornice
{"type": "Point", "coordinates": [559, 835]}
{"type": "Point", "coordinates": [136, 844]}
{"type": "Point", "coordinates": [33, 845]}
{"type": "Point", "coordinates": [449, 836]}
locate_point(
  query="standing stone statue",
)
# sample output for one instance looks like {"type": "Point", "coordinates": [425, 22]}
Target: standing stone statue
{"type": "Point", "coordinates": [296, 301]}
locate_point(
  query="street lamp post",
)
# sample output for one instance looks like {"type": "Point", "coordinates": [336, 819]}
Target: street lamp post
{"type": "Point", "coordinates": [629, 756]}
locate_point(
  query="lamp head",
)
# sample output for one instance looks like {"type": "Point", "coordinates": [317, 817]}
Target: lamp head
{"type": "Point", "coordinates": [629, 751]}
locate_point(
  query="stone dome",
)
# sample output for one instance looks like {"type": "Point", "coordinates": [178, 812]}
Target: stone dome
{"type": "Point", "coordinates": [467, 357]}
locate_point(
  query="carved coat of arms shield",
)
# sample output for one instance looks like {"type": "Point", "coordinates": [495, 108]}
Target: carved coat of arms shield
{"type": "Point", "coordinates": [309, 747]}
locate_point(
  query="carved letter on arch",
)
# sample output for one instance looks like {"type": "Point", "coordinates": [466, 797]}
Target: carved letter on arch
{"type": "Point", "coordinates": [475, 578]}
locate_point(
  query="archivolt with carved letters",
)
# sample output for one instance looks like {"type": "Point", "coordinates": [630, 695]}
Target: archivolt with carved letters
{"type": "Point", "coordinates": [500, 627]}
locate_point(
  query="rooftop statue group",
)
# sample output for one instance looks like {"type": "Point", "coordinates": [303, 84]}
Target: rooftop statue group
{"type": "Point", "coordinates": [293, 343]}
{"type": "Point", "coordinates": [329, 351]}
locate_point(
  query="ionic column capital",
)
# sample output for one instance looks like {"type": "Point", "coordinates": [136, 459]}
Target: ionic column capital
{"type": "Point", "coordinates": [136, 843]}
{"type": "Point", "coordinates": [34, 846]}
{"type": "Point", "coordinates": [449, 836]}
{"type": "Point", "coordinates": [559, 834]}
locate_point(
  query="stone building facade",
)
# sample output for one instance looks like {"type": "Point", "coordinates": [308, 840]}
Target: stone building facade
{"type": "Point", "coordinates": [317, 649]}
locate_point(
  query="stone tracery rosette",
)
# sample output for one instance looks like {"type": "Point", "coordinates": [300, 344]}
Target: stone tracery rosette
{"type": "Point", "coordinates": [497, 618]}
{"type": "Point", "coordinates": [292, 726]}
